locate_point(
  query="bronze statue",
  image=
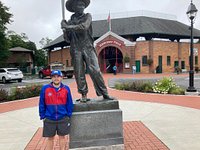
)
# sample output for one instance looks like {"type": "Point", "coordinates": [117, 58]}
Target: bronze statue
{"type": "Point", "coordinates": [78, 31]}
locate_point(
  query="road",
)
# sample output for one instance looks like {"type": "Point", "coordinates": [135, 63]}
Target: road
{"type": "Point", "coordinates": [181, 81]}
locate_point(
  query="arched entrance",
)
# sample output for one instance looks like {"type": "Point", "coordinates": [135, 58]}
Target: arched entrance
{"type": "Point", "coordinates": [109, 57]}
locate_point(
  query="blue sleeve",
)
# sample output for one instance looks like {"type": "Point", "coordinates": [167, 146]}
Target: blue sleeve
{"type": "Point", "coordinates": [42, 106]}
{"type": "Point", "coordinates": [69, 104]}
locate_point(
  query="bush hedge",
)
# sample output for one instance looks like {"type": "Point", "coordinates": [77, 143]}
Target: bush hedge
{"type": "Point", "coordinates": [3, 95]}
{"type": "Point", "coordinates": [20, 93]}
{"type": "Point", "coordinates": [163, 86]}
{"type": "Point", "coordinates": [26, 92]}
{"type": "Point", "coordinates": [139, 86]}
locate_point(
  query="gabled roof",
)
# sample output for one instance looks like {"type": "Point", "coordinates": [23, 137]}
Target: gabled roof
{"type": "Point", "coordinates": [58, 42]}
{"type": "Point", "coordinates": [125, 41]}
{"type": "Point", "coordinates": [20, 49]}
{"type": "Point", "coordinates": [136, 27]}
{"type": "Point", "coordinates": [142, 26]}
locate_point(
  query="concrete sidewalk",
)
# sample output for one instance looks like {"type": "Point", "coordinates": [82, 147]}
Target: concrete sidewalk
{"type": "Point", "coordinates": [177, 127]}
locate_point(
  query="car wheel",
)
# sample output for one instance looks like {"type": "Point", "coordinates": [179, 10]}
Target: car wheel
{"type": "Point", "coordinates": [41, 76]}
{"type": "Point", "coordinates": [20, 80]}
{"type": "Point", "coordinates": [4, 80]}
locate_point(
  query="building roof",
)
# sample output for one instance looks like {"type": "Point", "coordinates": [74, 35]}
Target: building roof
{"type": "Point", "coordinates": [136, 27]}
{"type": "Point", "coordinates": [20, 49]}
{"type": "Point", "coordinates": [110, 33]}
{"type": "Point", "coordinates": [142, 26]}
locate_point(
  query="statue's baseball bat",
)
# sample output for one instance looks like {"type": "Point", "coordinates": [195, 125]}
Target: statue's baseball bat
{"type": "Point", "coordinates": [63, 9]}
{"type": "Point", "coordinates": [63, 12]}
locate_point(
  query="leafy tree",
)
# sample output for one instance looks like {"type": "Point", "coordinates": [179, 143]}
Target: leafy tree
{"type": "Point", "coordinates": [40, 58]}
{"type": "Point", "coordinates": [41, 54]}
{"type": "Point", "coordinates": [16, 40]}
{"type": "Point", "coordinates": [5, 17]}
{"type": "Point", "coordinates": [45, 41]}
{"type": "Point", "coordinates": [4, 53]}
{"type": "Point", "coordinates": [31, 45]}
{"type": "Point", "coordinates": [22, 40]}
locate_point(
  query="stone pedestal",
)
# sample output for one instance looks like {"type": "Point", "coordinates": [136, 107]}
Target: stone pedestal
{"type": "Point", "coordinates": [96, 125]}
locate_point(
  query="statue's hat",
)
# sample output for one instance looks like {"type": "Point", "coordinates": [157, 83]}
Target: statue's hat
{"type": "Point", "coordinates": [70, 3]}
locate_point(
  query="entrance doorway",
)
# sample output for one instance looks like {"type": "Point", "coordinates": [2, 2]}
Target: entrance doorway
{"type": "Point", "coordinates": [159, 67]}
{"type": "Point", "coordinates": [137, 63]}
{"type": "Point", "coordinates": [109, 57]}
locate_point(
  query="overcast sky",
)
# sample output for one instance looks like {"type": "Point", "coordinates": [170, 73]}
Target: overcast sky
{"type": "Point", "coordinates": [41, 18]}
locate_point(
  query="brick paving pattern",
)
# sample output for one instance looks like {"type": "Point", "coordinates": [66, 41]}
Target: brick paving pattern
{"type": "Point", "coordinates": [39, 143]}
{"type": "Point", "coordinates": [136, 137]}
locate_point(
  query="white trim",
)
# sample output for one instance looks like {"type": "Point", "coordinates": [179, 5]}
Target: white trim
{"type": "Point", "coordinates": [125, 41]}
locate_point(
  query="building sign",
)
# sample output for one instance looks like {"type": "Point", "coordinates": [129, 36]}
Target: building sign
{"type": "Point", "coordinates": [110, 42]}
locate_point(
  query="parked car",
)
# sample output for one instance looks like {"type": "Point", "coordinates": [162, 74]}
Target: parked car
{"type": "Point", "coordinates": [8, 74]}
{"type": "Point", "coordinates": [46, 71]}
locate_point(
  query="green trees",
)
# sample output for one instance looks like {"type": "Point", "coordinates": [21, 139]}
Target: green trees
{"type": "Point", "coordinates": [41, 54]}
{"type": "Point", "coordinates": [19, 40]}
{"type": "Point", "coordinates": [40, 57]}
{"type": "Point", "coordinates": [5, 17]}
{"type": "Point", "coordinates": [22, 40]}
{"type": "Point", "coordinates": [10, 39]}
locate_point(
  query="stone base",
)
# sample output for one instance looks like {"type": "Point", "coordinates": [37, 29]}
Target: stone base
{"type": "Point", "coordinates": [95, 105]}
{"type": "Point", "coordinates": [101, 129]}
{"type": "Point", "coordinates": [111, 147]}
{"type": "Point", "coordinates": [192, 93]}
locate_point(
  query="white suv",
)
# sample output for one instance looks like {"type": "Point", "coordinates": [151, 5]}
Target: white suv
{"type": "Point", "coordinates": [8, 74]}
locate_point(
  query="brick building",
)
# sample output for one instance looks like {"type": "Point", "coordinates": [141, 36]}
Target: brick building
{"type": "Point", "coordinates": [145, 44]}
{"type": "Point", "coordinates": [21, 58]}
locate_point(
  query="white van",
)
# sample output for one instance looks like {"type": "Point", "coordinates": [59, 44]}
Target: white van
{"type": "Point", "coordinates": [8, 74]}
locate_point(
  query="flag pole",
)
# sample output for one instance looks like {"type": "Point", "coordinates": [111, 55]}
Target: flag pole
{"type": "Point", "coordinates": [109, 21]}
{"type": "Point", "coordinates": [110, 25]}
{"type": "Point", "coordinates": [63, 9]}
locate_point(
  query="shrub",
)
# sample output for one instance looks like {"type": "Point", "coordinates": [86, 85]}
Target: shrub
{"type": "Point", "coordinates": [150, 61]}
{"type": "Point", "coordinates": [147, 87]}
{"type": "Point", "coordinates": [3, 95]}
{"type": "Point", "coordinates": [122, 86]}
{"type": "Point", "coordinates": [165, 85]}
{"type": "Point", "coordinates": [20, 93]}
{"type": "Point", "coordinates": [177, 91]}
{"type": "Point", "coordinates": [126, 59]}
{"type": "Point", "coordinates": [26, 92]}
{"type": "Point", "coordinates": [139, 86]}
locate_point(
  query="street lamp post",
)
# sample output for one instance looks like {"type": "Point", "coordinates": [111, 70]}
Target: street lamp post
{"type": "Point", "coordinates": [192, 11]}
